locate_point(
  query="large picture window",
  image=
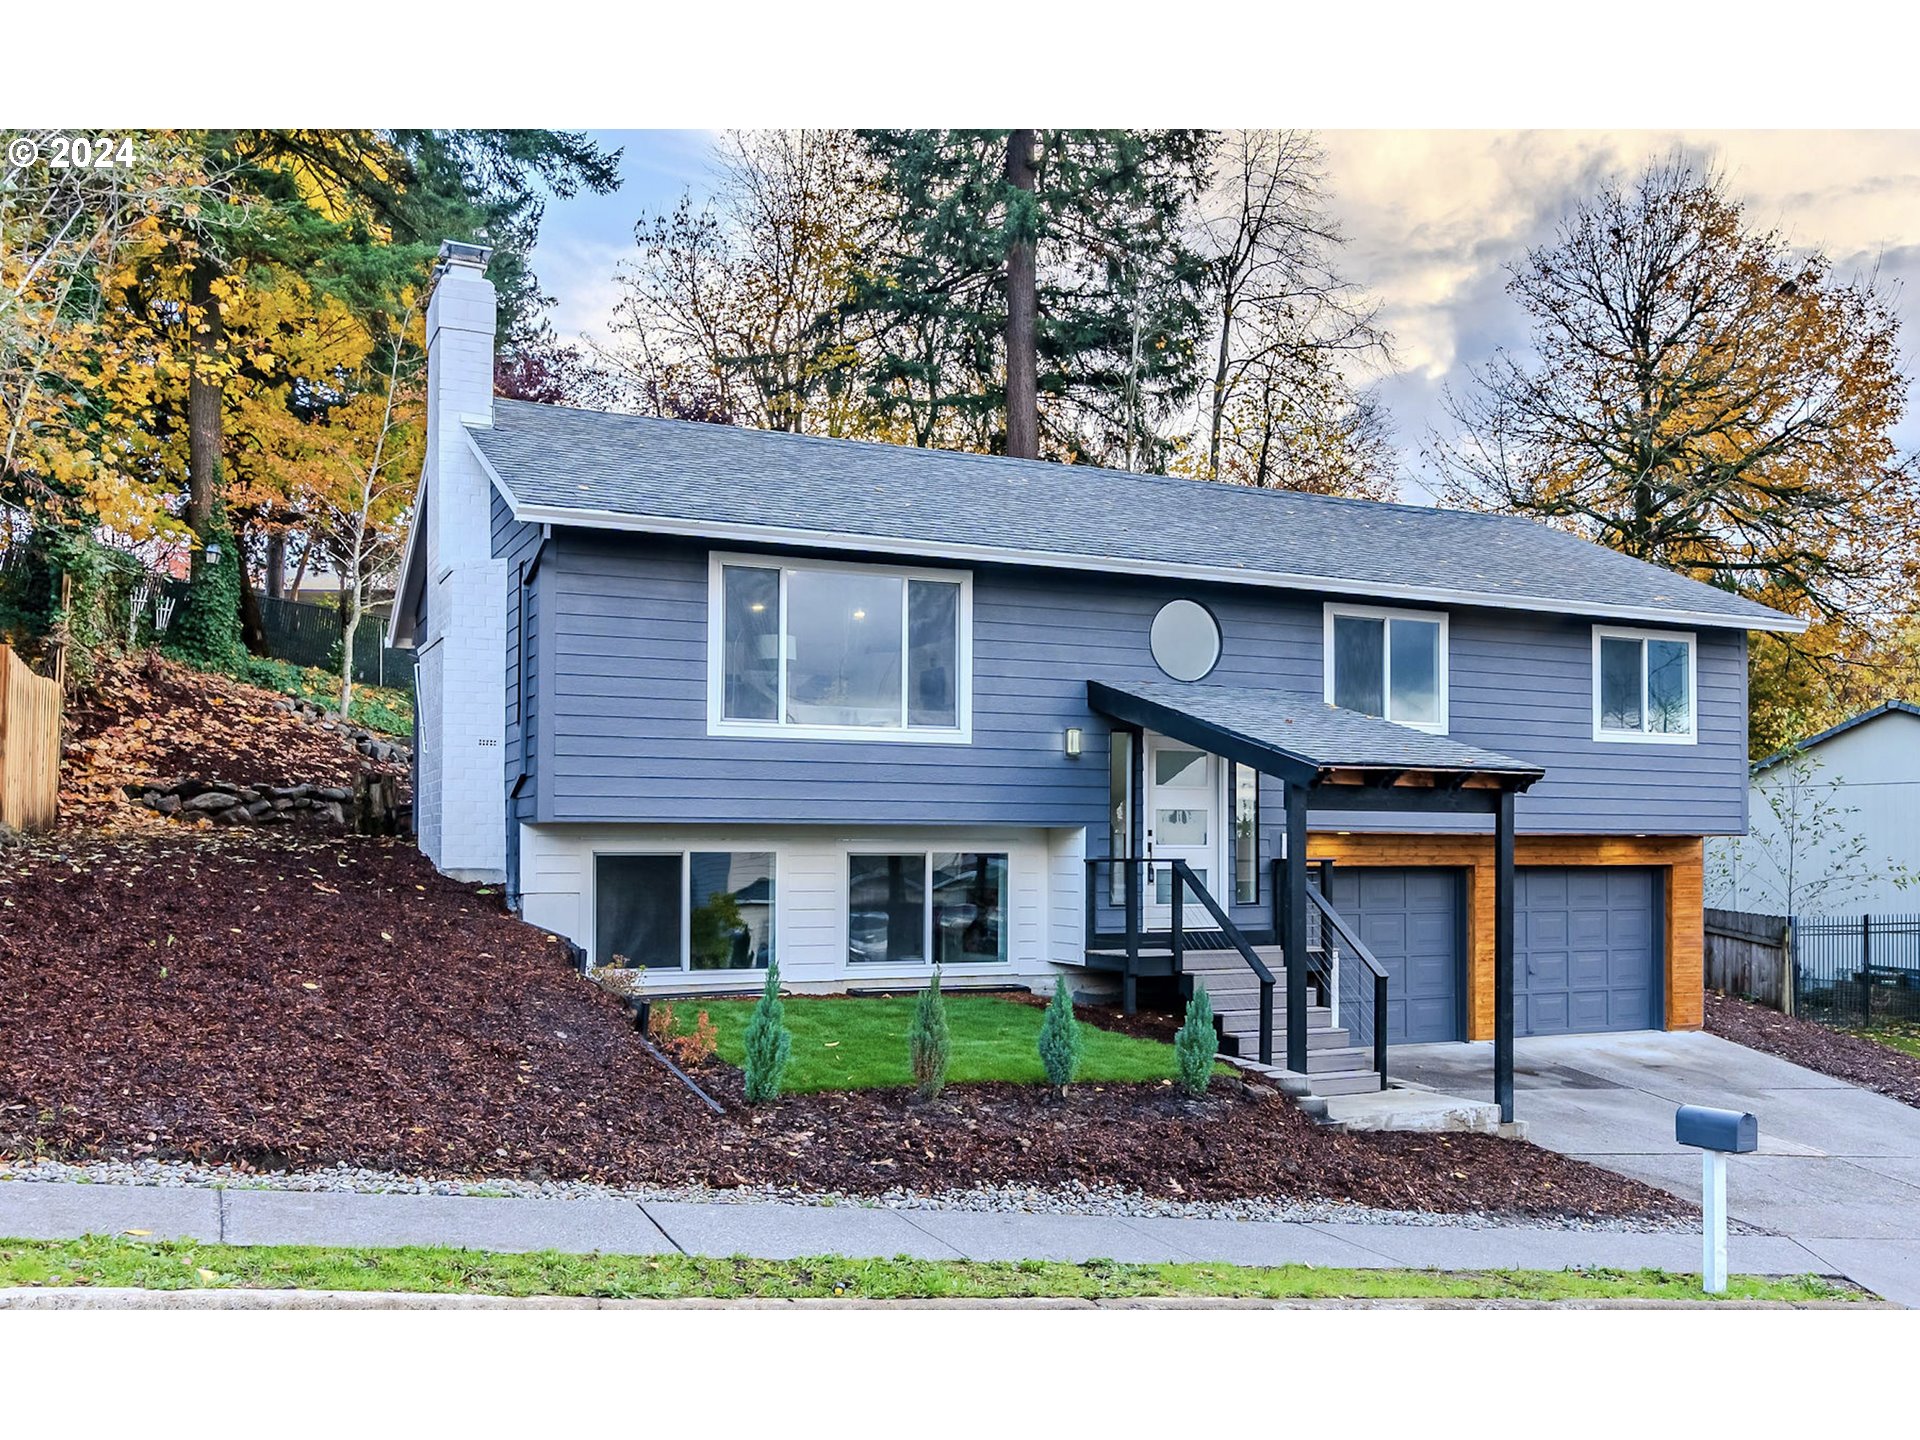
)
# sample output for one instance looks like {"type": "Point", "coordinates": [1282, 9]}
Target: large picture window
{"type": "Point", "coordinates": [1390, 663]}
{"type": "Point", "coordinates": [838, 651]}
{"type": "Point", "coordinates": [695, 910]}
{"type": "Point", "coordinates": [950, 906]}
{"type": "Point", "coordinates": [1643, 686]}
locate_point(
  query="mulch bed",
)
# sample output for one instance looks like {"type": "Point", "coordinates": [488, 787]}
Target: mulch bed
{"type": "Point", "coordinates": [275, 999]}
{"type": "Point", "coordinates": [147, 718]}
{"type": "Point", "coordinates": [1848, 1057]}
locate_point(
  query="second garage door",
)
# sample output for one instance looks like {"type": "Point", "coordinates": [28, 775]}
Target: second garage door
{"type": "Point", "coordinates": [1587, 956]}
{"type": "Point", "coordinates": [1410, 920]}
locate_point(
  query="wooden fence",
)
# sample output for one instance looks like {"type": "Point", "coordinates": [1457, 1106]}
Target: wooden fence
{"type": "Point", "coordinates": [29, 745]}
{"type": "Point", "coordinates": [1751, 955]}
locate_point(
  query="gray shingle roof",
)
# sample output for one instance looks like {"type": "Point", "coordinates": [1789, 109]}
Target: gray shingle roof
{"type": "Point", "coordinates": [724, 481]}
{"type": "Point", "coordinates": [1303, 728]}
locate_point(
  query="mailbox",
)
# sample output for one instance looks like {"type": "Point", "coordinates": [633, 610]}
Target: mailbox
{"type": "Point", "coordinates": [1728, 1131]}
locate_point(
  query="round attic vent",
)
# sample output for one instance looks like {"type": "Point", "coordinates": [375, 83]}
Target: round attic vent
{"type": "Point", "coordinates": [1186, 640]}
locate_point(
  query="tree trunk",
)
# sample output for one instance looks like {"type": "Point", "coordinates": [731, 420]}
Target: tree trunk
{"type": "Point", "coordinates": [203, 402]}
{"type": "Point", "coordinates": [277, 565]}
{"type": "Point", "coordinates": [253, 627]}
{"type": "Point", "coordinates": [1220, 386]}
{"type": "Point", "coordinates": [1023, 400]}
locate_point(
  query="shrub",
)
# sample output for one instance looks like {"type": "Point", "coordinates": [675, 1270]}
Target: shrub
{"type": "Point", "coordinates": [928, 1044]}
{"type": "Point", "coordinates": [768, 1042]}
{"type": "Point", "coordinates": [690, 1047]}
{"type": "Point", "coordinates": [1196, 1044]}
{"type": "Point", "coordinates": [1060, 1038]}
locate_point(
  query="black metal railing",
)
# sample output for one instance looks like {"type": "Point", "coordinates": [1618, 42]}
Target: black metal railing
{"type": "Point", "coordinates": [1183, 879]}
{"type": "Point", "coordinates": [1856, 971]}
{"type": "Point", "coordinates": [1134, 937]}
{"type": "Point", "coordinates": [1355, 980]}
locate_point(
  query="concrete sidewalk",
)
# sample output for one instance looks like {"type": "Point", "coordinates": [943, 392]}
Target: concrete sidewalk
{"type": "Point", "coordinates": [48, 1211]}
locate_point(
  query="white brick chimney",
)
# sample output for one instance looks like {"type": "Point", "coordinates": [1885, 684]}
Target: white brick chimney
{"type": "Point", "coordinates": [460, 795]}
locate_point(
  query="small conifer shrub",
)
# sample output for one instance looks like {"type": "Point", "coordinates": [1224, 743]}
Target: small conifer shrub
{"type": "Point", "coordinates": [929, 1046]}
{"type": "Point", "coordinates": [769, 1044]}
{"type": "Point", "coordinates": [1196, 1044]}
{"type": "Point", "coordinates": [1060, 1039]}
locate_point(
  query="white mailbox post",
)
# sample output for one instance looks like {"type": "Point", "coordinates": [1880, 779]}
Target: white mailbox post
{"type": "Point", "coordinates": [1718, 1134]}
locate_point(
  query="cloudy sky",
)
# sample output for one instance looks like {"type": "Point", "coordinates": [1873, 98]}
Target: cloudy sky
{"type": "Point", "coordinates": [1433, 219]}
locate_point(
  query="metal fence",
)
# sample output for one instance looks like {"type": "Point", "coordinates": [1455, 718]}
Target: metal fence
{"type": "Point", "coordinates": [308, 634]}
{"type": "Point", "coordinates": [1856, 970]}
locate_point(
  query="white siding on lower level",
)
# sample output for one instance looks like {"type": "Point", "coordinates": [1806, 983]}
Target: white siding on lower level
{"type": "Point", "coordinates": [1045, 921]}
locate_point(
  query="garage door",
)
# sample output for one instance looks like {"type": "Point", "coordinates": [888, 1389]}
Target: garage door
{"type": "Point", "coordinates": [1410, 920]}
{"type": "Point", "coordinates": [1587, 952]}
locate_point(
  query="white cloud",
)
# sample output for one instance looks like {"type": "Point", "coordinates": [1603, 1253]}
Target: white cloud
{"type": "Point", "coordinates": [1435, 217]}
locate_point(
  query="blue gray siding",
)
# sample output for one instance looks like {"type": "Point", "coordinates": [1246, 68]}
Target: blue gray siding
{"type": "Point", "coordinates": [622, 727]}
{"type": "Point", "coordinates": [518, 544]}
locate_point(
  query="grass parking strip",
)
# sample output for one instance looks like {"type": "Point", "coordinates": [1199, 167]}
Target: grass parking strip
{"type": "Point", "coordinates": [125, 1262]}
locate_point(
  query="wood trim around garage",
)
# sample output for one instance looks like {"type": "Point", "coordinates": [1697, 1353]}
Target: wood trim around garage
{"type": "Point", "coordinates": [1680, 856]}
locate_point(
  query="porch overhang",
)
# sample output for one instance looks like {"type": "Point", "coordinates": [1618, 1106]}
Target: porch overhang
{"type": "Point", "coordinates": [1348, 760]}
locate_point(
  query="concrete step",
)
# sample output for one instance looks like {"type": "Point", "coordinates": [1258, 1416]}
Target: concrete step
{"type": "Point", "coordinates": [1344, 1082]}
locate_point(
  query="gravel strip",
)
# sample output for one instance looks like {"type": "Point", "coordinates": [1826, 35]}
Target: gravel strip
{"type": "Point", "coordinates": [1069, 1199]}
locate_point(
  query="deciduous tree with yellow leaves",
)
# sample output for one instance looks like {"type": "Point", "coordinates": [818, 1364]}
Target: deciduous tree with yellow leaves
{"type": "Point", "coordinates": [1706, 397]}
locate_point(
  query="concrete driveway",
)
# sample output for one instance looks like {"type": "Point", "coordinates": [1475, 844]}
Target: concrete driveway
{"type": "Point", "coordinates": [1838, 1167]}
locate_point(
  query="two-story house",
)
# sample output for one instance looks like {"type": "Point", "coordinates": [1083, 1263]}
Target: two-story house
{"type": "Point", "coordinates": [703, 697]}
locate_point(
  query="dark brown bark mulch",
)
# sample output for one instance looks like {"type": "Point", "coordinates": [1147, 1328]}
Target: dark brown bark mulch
{"type": "Point", "coordinates": [1844, 1056]}
{"type": "Point", "coordinates": [281, 1000]}
{"type": "Point", "coordinates": [147, 718]}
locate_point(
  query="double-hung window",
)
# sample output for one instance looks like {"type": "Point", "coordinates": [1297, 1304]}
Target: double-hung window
{"type": "Point", "coordinates": [1643, 686]}
{"type": "Point", "coordinates": [834, 651]}
{"type": "Point", "coordinates": [1390, 663]}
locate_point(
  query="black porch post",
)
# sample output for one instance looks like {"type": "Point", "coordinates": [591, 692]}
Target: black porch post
{"type": "Point", "coordinates": [1503, 955]}
{"type": "Point", "coordinates": [1296, 937]}
{"type": "Point", "coordinates": [1136, 872]}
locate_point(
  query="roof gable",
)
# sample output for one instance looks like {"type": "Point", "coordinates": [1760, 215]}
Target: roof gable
{"type": "Point", "coordinates": [585, 467]}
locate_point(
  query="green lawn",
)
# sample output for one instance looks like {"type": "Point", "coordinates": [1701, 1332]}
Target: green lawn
{"type": "Point", "coordinates": [861, 1043]}
{"type": "Point", "coordinates": [150, 1265]}
{"type": "Point", "coordinates": [1899, 1035]}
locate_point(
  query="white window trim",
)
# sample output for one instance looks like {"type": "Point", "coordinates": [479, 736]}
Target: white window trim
{"type": "Point", "coordinates": [1648, 737]}
{"type": "Point", "coordinates": [851, 968]}
{"type": "Point", "coordinates": [777, 729]}
{"type": "Point", "coordinates": [1378, 612]}
{"type": "Point", "coordinates": [685, 854]}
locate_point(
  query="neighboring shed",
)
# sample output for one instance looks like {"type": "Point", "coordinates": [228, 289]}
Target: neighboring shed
{"type": "Point", "coordinates": [1834, 824]}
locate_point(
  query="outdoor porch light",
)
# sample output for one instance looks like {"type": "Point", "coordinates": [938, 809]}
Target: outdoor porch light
{"type": "Point", "coordinates": [213, 552]}
{"type": "Point", "coordinates": [1073, 742]}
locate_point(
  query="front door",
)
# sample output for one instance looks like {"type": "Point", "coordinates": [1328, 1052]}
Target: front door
{"type": "Point", "coordinates": [1182, 823]}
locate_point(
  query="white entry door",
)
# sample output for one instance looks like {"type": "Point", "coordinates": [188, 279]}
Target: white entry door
{"type": "Point", "coordinates": [1182, 823]}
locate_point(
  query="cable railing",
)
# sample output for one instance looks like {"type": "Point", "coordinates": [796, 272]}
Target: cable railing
{"type": "Point", "coordinates": [1353, 980]}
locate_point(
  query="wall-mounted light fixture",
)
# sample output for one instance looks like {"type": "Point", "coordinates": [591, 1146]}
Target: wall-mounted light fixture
{"type": "Point", "coordinates": [213, 552]}
{"type": "Point", "coordinates": [1073, 742]}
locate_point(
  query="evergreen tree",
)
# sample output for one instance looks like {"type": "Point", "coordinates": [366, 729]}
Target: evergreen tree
{"type": "Point", "coordinates": [1196, 1044]}
{"type": "Point", "coordinates": [1091, 220]}
{"type": "Point", "coordinates": [1060, 1038]}
{"type": "Point", "coordinates": [928, 1043]}
{"type": "Point", "coordinates": [768, 1042]}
